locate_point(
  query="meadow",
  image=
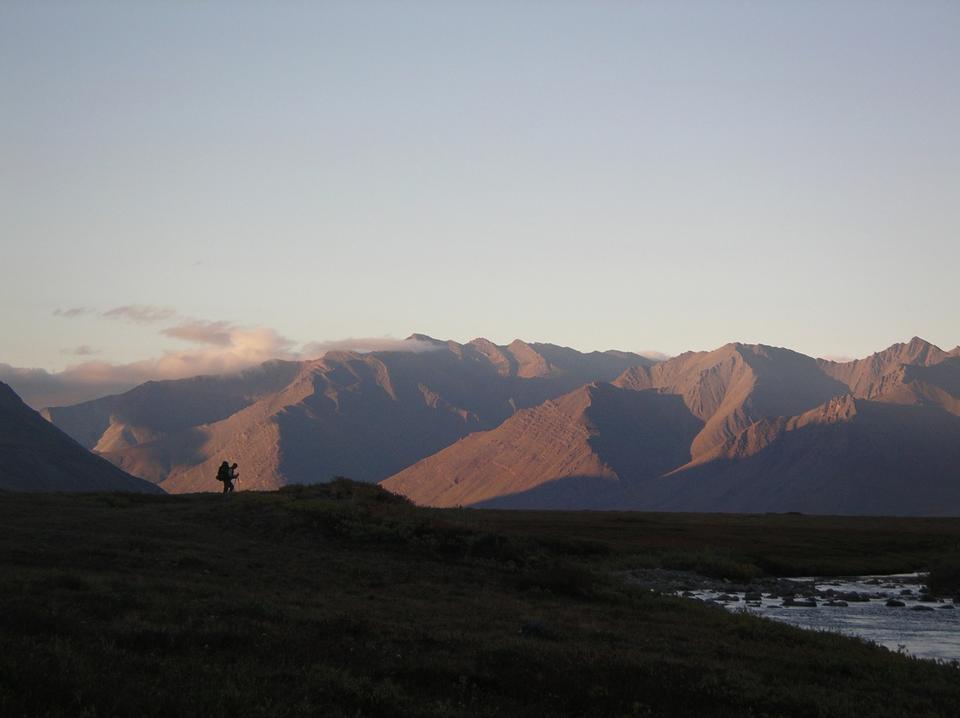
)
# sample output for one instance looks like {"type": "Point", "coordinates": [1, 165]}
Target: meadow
{"type": "Point", "coordinates": [343, 600]}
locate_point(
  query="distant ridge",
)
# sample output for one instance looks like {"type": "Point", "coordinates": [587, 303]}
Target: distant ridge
{"type": "Point", "coordinates": [733, 386]}
{"type": "Point", "coordinates": [868, 378]}
{"type": "Point", "coordinates": [568, 450]}
{"type": "Point", "coordinates": [744, 427]}
{"type": "Point", "coordinates": [849, 456]}
{"type": "Point", "coordinates": [364, 415]}
{"type": "Point", "coordinates": [764, 429]}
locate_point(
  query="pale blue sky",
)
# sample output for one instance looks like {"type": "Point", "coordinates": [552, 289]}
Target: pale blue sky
{"type": "Point", "coordinates": [633, 175]}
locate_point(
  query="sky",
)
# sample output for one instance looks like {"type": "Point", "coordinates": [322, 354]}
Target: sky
{"type": "Point", "coordinates": [189, 187]}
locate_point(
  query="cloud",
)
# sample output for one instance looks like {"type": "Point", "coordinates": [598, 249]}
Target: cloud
{"type": "Point", "coordinates": [141, 313]}
{"type": "Point", "coordinates": [72, 313]}
{"type": "Point", "coordinates": [84, 350]}
{"type": "Point", "coordinates": [199, 331]}
{"type": "Point", "coordinates": [245, 348]}
{"type": "Point", "coordinates": [653, 354]}
{"type": "Point", "coordinates": [39, 388]}
{"type": "Point", "coordinates": [368, 344]}
{"type": "Point", "coordinates": [221, 348]}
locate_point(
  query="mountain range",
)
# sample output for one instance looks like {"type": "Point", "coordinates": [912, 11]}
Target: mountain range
{"type": "Point", "coordinates": [362, 415]}
{"type": "Point", "coordinates": [745, 427]}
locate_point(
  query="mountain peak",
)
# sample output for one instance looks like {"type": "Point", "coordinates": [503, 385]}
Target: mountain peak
{"type": "Point", "coordinates": [914, 343]}
{"type": "Point", "coordinates": [415, 337]}
{"type": "Point", "coordinates": [870, 377]}
{"type": "Point", "coordinates": [530, 363]}
{"type": "Point", "coordinates": [916, 351]}
{"type": "Point", "coordinates": [740, 348]}
{"type": "Point", "coordinates": [503, 362]}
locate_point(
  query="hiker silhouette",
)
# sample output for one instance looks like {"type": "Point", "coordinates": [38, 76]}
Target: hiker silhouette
{"type": "Point", "coordinates": [226, 474]}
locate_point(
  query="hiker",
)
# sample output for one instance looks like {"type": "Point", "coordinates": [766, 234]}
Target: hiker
{"type": "Point", "coordinates": [226, 474]}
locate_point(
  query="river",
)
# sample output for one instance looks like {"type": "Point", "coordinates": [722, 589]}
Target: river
{"type": "Point", "coordinates": [921, 627]}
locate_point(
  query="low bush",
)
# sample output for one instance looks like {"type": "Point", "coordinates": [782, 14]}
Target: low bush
{"type": "Point", "coordinates": [710, 563]}
{"type": "Point", "coordinates": [560, 579]}
{"type": "Point", "coordinates": [944, 578]}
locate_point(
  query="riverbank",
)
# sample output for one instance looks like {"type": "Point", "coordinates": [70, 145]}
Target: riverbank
{"type": "Point", "coordinates": [896, 611]}
{"type": "Point", "coordinates": [677, 582]}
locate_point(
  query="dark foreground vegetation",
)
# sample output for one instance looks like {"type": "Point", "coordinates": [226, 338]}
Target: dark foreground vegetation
{"type": "Point", "coordinates": [343, 600]}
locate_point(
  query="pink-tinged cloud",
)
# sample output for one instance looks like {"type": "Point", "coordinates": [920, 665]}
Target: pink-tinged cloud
{"type": "Point", "coordinates": [199, 331]}
{"type": "Point", "coordinates": [141, 313]}
{"type": "Point", "coordinates": [72, 313]}
{"type": "Point", "coordinates": [367, 344]}
{"type": "Point", "coordinates": [40, 388]}
{"type": "Point", "coordinates": [223, 349]}
{"type": "Point", "coordinates": [93, 379]}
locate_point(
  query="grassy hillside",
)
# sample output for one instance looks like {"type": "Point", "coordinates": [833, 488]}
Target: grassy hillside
{"type": "Point", "coordinates": [341, 600]}
{"type": "Point", "coordinates": [734, 546]}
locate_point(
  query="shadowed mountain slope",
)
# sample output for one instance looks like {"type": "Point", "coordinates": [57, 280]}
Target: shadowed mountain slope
{"type": "Point", "coordinates": [733, 386]}
{"type": "Point", "coordinates": [762, 429]}
{"type": "Point", "coordinates": [870, 377]}
{"type": "Point", "coordinates": [35, 456]}
{"type": "Point", "coordinates": [363, 415]}
{"type": "Point", "coordinates": [740, 428]}
{"type": "Point", "coordinates": [155, 408]}
{"type": "Point", "coordinates": [934, 385]}
{"type": "Point", "coordinates": [849, 456]}
{"type": "Point", "coordinates": [573, 452]}
{"type": "Point", "coordinates": [915, 372]}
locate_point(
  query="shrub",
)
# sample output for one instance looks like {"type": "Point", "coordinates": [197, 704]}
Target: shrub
{"type": "Point", "coordinates": [944, 578]}
{"type": "Point", "coordinates": [560, 579]}
{"type": "Point", "coordinates": [712, 564]}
